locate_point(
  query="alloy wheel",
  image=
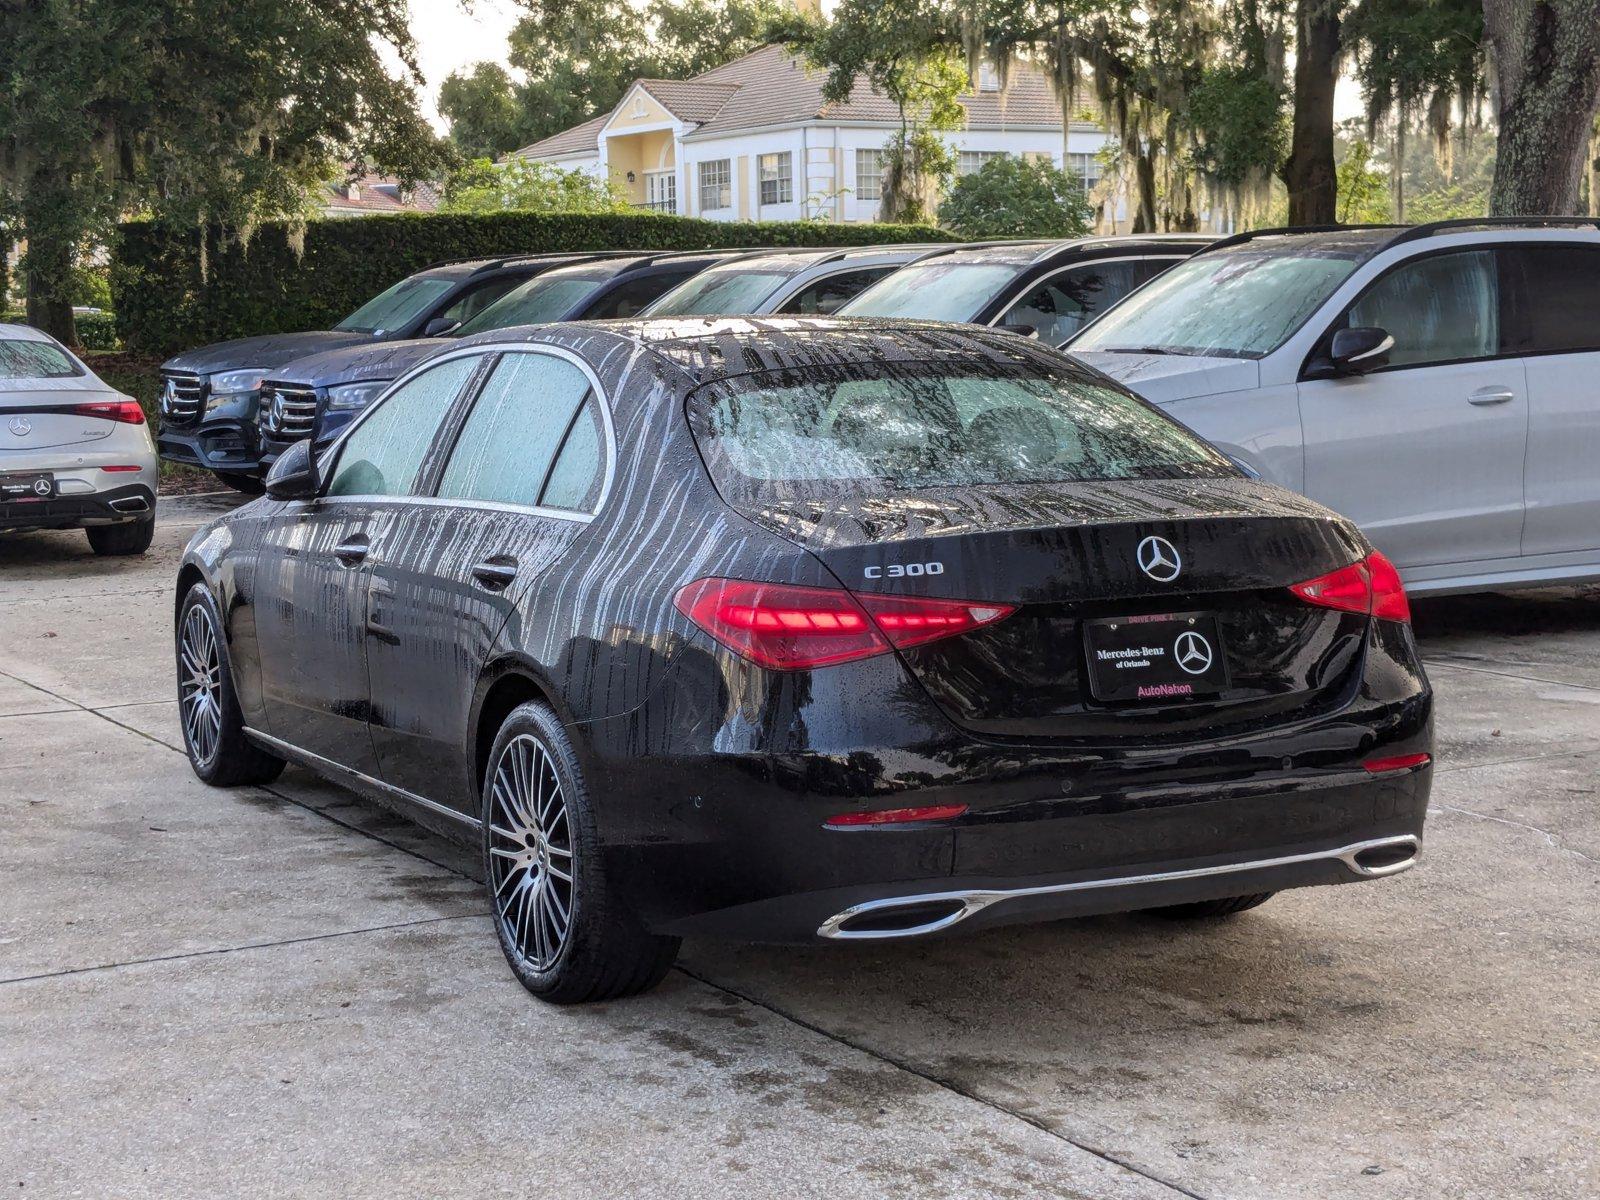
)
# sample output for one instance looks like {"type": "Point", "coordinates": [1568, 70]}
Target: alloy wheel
{"type": "Point", "coordinates": [200, 686]}
{"type": "Point", "coordinates": [530, 852]}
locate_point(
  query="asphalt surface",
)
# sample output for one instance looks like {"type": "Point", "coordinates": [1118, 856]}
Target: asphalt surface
{"type": "Point", "coordinates": [285, 991]}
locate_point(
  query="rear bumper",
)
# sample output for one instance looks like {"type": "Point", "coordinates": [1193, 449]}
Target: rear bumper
{"type": "Point", "coordinates": [114, 506]}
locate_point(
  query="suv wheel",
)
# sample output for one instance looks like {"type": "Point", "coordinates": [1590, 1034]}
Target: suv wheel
{"type": "Point", "coordinates": [131, 537]}
{"type": "Point", "coordinates": [208, 708]}
{"type": "Point", "coordinates": [567, 935]}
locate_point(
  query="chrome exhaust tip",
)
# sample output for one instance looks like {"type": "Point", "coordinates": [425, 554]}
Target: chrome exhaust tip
{"type": "Point", "coordinates": [1384, 856]}
{"type": "Point", "coordinates": [131, 504]}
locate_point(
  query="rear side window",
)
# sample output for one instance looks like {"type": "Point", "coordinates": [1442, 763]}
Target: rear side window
{"type": "Point", "coordinates": [1443, 308]}
{"type": "Point", "coordinates": [1559, 296]}
{"type": "Point", "coordinates": [532, 438]}
{"type": "Point", "coordinates": [383, 454]}
{"type": "Point", "coordinates": [897, 427]}
{"type": "Point", "coordinates": [824, 297]}
{"type": "Point", "coordinates": [633, 297]}
{"type": "Point", "coordinates": [1065, 303]}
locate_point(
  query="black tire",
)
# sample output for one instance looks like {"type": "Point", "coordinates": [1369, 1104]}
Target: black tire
{"type": "Point", "coordinates": [133, 537]}
{"type": "Point", "coordinates": [603, 952]}
{"type": "Point", "coordinates": [247, 484]}
{"type": "Point", "coordinates": [228, 758]}
{"type": "Point", "coordinates": [1209, 909]}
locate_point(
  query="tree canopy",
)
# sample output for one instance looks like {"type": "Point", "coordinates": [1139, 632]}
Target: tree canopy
{"type": "Point", "coordinates": [224, 110]}
{"type": "Point", "coordinates": [1011, 197]}
{"type": "Point", "coordinates": [524, 186]}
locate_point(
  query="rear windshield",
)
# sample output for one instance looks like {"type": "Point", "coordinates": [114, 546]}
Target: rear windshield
{"type": "Point", "coordinates": [725, 292]}
{"type": "Point", "coordinates": [845, 431]}
{"type": "Point", "coordinates": [543, 298]}
{"type": "Point", "coordinates": [397, 307]}
{"type": "Point", "coordinates": [1239, 303]}
{"type": "Point", "coordinates": [933, 291]}
{"type": "Point", "coordinates": [35, 360]}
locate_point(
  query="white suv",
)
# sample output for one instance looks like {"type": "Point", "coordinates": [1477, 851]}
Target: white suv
{"type": "Point", "coordinates": [1439, 384]}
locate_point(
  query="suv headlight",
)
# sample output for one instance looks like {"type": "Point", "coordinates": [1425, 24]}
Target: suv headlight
{"type": "Point", "coordinates": [231, 383]}
{"type": "Point", "coordinates": [348, 397]}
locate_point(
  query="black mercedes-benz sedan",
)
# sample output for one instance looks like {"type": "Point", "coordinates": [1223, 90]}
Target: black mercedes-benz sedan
{"type": "Point", "coordinates": [808, 629]}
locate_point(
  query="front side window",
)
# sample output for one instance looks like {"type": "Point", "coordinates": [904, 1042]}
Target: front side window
{"type": "Point", "coordinates": [28, 359]}
{"type": "Point", "coordinates": [474, 300]}
{"type": "Point", "coordinates": [846, 431]}
{"type": "Point", "coordinates": [716, 185]}
{"type": "Point", "coordinates": [935, 291]}
{"type": "Point", "coordinates": [382, 455]}
{"type": "Point", "coordinates": [532, 438]}
{"type": "Point", "coordinates": [869, 174]}
{"type": "Point", "coordinates": [1442, 308]}
{"type": "Point", "coordinates": [396, 307]}
{"type": "Point", "coordinates": [1065, 303]}
{"type": "Point", "coordinates": [777, 178]}
{"type": "Point", "coordinates": [828, 295]}
{"type": "Point", "coordinates": [1242, 302]}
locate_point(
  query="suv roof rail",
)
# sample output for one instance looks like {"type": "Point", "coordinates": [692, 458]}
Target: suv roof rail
{"type": "Point", "coordinates": [1251, 234]}
{"type": "Point", "coordinates": [1413, 232]}
{"type": "Point", "coordinates": [490, 262]}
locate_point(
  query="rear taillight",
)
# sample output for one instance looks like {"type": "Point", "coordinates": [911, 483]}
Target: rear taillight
{"type": "Point", "coordinates": [790, 628]}
{"type": "Point", "coordinates": [1370, 587]}
{"type": "Point", "coordinates": [126, 411]}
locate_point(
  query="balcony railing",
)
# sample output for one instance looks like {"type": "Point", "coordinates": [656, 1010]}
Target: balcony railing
{"type": "Point", "coordinates": [661, 206]}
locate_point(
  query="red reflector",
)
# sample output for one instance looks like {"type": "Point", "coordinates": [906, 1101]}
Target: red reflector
{"type": "Point", "coordinates": [126, 411]}
{"type": "Point", "coordinates": [791, 628]}
{"type": "Point", "coordinates": [122, 467]}
{"type": "Point", "coordinates": [1400, 762]}
{"type": "Point", "coordinates": [896, 816]}
{"type": "Point", "coordinates": [1371, 587]}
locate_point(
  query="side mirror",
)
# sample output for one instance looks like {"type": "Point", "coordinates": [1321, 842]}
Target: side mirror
{"type": "Point", "coordinates": [1357, 351]}
{"type": "Point", "coordinates": [438, 327]}
{"type": "Point", "coordinates": [294, 476]}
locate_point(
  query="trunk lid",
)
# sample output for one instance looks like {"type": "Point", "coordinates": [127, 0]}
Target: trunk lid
{"type": "Point", "coordinates": [42, 419]}
{"type": "Point", "coordinates": [1068, 556]}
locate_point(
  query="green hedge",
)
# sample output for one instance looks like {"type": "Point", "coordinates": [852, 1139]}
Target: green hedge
{"type": "Point", "coordinates": [164, 301]}
{"type": "Point", "coordinates": [96, 330]}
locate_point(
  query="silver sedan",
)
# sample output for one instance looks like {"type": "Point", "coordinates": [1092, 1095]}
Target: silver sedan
{"type": "Point", "coordinates": [74, 452]}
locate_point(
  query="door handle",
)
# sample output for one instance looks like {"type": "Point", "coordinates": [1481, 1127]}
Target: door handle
{"type": "Point", "coordinates": [353, 550]}
{"type": "Point", "coordinates": [496, 572]}
{"type": "Point", "coordinates": [1484, 397]}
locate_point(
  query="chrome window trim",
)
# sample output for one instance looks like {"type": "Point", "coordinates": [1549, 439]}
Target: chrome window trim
{"type": "Point", "coordinates": [602, 400]}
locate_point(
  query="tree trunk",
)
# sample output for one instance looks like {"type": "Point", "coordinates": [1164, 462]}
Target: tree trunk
{"type": "Point", "coordinates": [1144, 192]}
{"type": "Point", "coordinates": [1309, 174]}
{"type": "Point", "coordinates": [49, 269]}
{"type": "Point", "coordinates": [1546, 56]}
{"type": "Point", "coordinates": [1594, 170]}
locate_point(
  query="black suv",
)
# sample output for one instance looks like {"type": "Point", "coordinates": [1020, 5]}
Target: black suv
{"type": "Point", "coordinates": [209, 396]}
{"type": "Point", "coordinates": [317, 397]}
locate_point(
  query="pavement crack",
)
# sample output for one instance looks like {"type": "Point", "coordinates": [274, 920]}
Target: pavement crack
{"type": "Point", "coordinates": [1554, 842]}
{"type": "Point", "coordinates": [949, 1085]}
{"type": "Point", "coordinates": [1431, 663]}
{"type": "Point", "coordinates": [221, 950]}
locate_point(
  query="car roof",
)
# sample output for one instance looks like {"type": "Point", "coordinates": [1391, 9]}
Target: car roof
{"type": "Point", "coordinates": [1367, 241]}
{"type": "Point", "coordinates": [24, 333]}
{"type": "Point", "coordinates": [1039, 251]}
{"type": "Point", "coordinates": [710, 348]}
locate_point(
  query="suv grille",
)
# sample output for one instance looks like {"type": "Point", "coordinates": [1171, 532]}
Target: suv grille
{"type": "Point", "coordinates": [289, 413]}
{"type": "Point", "coordinates": [183, 398]}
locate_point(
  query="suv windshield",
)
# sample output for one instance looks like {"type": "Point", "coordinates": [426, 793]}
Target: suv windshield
{"type": "Point", "coordinates": [940, 291]}
{"type": "Point", "coordinates": [874, 428]}
{"type": "Point", "coordinates": [1242, 302]}
{"type": "Point", "coordinates": [28, 359]}
{"type": "Point", "coordinates": [724, 291]}
{"type": "Point", "coordinates": [397, 307]}
{"type": "Point", "coordinates": [546, 297]}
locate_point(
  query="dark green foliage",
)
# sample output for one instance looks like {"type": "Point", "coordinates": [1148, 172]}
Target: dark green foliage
{"type": "Point", "coordinates": [164, 302]}
{"type": "Point", "coordinates": [1010, 197]}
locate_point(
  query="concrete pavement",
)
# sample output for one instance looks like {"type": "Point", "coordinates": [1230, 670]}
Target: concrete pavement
{"type": "Point", "coordinates": [288, 992]}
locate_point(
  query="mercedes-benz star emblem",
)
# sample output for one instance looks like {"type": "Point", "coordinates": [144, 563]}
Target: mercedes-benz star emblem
{"type": "Point", "coordinates": [20, 426]}
{"type": "Point", "coordinates": [1158, 558]}
{"type": "Point", "coordinates": [41, 487]}
{"type": "Point", "coordinates": [1192, 652]}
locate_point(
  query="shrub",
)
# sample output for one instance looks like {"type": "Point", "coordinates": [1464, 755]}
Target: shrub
{"type": "Point", "coordinates": [279, 282]}
{"type": "Point", "coordinates": [1010, 197]}
{"type": "Point", "coordinates": [96, 331]}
